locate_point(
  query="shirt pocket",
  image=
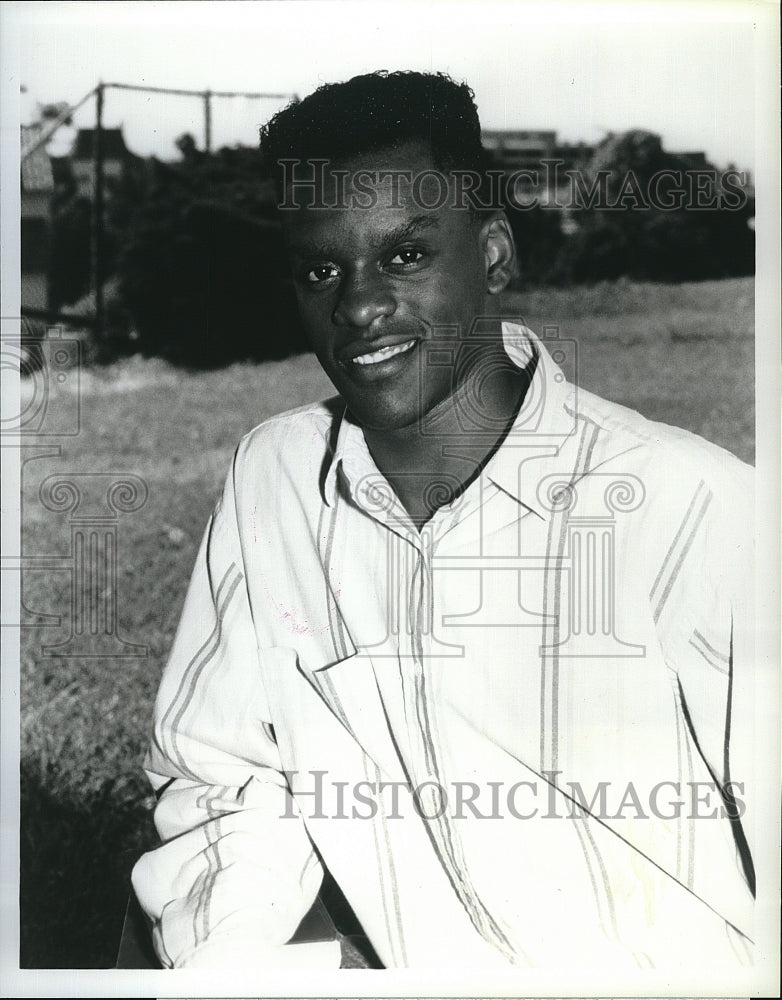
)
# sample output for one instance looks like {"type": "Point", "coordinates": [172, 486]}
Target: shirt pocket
{"type": "Point", "coordinates": [328, 715]}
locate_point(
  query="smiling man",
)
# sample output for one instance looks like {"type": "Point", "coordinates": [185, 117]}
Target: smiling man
{"type": "Point", "coordinates": [388, 286]}
{"type": "Point", "coordinates": [475, 641]}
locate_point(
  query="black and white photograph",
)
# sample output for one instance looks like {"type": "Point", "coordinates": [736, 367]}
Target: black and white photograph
{"type": "Point", "coordinates": [391, 499]}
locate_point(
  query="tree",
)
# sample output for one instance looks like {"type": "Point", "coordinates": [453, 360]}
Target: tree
{"type": "Point", "coordinates": [656, 216]}
{"type": "Point", "coordinates": [202, 269]}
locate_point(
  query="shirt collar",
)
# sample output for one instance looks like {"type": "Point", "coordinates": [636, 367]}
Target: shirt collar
{"type": "Point", "coordinates": [544, 426]}
{"type": "Point", "coordinates": [544, 423]}
{"type": "Point", "coordinates": [351, 458]}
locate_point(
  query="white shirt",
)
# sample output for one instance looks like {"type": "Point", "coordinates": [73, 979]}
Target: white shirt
{"type": "Point", "coordinates": [538, 676]}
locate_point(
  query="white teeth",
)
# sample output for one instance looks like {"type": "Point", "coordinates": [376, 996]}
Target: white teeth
{"type": "Point", "coordinates": [383, 354]}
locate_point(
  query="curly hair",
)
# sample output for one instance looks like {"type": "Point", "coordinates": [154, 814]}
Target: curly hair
{"type": "Point", "coordinates": [341, 121]}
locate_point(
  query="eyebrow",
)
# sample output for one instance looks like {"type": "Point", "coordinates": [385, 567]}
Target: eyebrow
{"type": "Point", "coordinates": [413, 227]}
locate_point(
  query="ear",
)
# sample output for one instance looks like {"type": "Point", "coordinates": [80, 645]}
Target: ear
{"type": "Point", "coordinates": [499, 251]}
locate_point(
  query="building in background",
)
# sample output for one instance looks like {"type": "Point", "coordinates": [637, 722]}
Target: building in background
{"type": "Point", "coordinates": [117, 160]}
{"type": "Point", "coordinates": [36, 225]}
{"type": "Point", "coordinates": [529, 149]}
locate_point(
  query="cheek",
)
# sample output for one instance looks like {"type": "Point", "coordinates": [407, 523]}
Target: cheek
{"type": "Point", "coordinates": [457, 302]}
{"type": "Point", "coordinates": [462, 279]}
{"type": "Point", "coordinates": [315, 315]}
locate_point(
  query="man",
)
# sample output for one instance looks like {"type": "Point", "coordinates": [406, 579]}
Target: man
{"type": "Point", "coordinates": [475, 640]}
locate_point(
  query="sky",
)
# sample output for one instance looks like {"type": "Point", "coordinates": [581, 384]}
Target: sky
{"type": "Point", "coordinates": [682, 70]}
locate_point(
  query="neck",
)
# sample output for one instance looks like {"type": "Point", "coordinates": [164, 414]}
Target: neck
{"type": "Point", "coordinates": [440, 455]}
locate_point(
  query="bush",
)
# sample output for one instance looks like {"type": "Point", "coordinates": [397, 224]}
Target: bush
{"type": "Point", "coordinates": [539, 240]}
{"type": "Point", "coordinates": [203, 271]}
{"type": "Point", "coordinates": [650, 243]}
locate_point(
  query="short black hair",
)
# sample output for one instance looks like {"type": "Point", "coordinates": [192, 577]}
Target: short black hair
{"type": "Point", "coordinates": [341, 121]}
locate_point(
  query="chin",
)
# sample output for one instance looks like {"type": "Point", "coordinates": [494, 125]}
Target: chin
{"type": "Point", "coordinates": [379, 420]}
{"type": "Point", "coordinates": [381, 413]}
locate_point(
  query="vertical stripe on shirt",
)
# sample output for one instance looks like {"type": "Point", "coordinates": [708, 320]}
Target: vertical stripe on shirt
{"type": "Point", "coordinates": [552, 599]}
{"type": "Point", "coordinates": [443, 837]}
{"type": "Point", "coordinates": [680, 546]}
{"type": "Point", "coordinates": [384, 860]}
{"type": "Point", "coordinates": [173, 718]}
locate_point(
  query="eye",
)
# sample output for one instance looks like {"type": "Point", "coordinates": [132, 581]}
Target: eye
{"type": "Point", "coordinates": [406, 257]}
{"type": "Point", "coordinates": [320, 273]}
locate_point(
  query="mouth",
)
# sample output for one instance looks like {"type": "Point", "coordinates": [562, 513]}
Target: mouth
{"type": "Point", "coordinates": [382, 354]}
{"type": "Point", "coordinates": [373, 362]}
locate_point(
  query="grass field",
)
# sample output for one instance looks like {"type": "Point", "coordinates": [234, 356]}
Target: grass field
{"type": "Point", "coordinates": [682, 354]}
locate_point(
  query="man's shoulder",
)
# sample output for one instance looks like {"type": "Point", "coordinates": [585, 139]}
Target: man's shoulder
{"type": "Point", "coordinates": [303, 430]}
{"type": "Point", "coordinates": [669, 456]}
{"type": "Point", "coordinates": [288, 454]}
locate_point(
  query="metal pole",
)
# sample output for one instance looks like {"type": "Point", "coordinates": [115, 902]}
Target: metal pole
{"type": "Point", "coordinates": [208, 120]}
{"type": "Point", "coordinates": [97, 213]}
{"type": "Point", "coordinates": [45, 134]}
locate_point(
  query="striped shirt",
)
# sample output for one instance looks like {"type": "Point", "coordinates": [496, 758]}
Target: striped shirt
{"type": "Point", "coordinates": [517, 736]}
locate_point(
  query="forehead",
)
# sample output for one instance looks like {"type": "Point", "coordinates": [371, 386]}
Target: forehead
{"type": "Point", "coordinates": [372, 196]}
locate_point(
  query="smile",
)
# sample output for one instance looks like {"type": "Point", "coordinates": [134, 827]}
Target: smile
{"type": "Point", "coordinates": [383, 354]}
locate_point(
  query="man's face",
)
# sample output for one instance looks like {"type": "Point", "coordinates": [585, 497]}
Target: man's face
{"type": "Point", "coordinates": [374, 283]}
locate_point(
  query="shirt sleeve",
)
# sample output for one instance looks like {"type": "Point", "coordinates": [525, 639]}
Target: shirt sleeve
{"type": "Point", "coordinates": [713, 603]}
{"type": "Point", "coordinates": [236, 871]}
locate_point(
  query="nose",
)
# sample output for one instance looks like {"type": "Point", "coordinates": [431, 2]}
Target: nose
{"type": "Point", "coordinates": [363, 299]}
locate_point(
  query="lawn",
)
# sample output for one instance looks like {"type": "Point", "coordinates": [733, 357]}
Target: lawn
{"type": "Point", "coordinates": [678, 353]}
